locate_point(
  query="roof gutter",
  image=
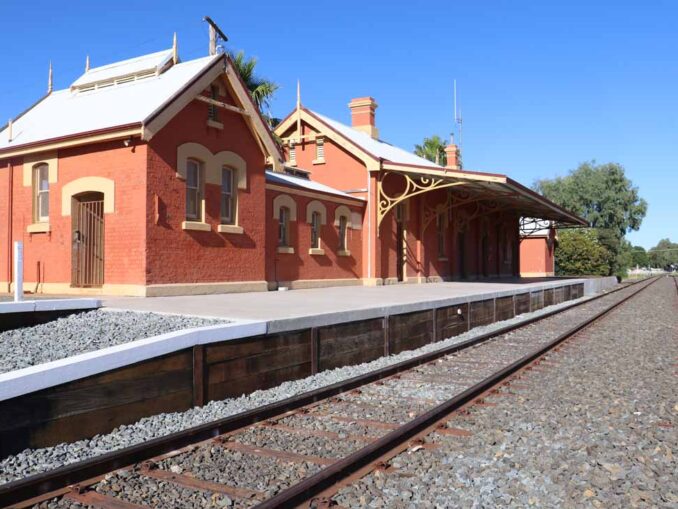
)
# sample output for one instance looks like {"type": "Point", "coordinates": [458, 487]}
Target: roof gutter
{"type": "Point", "coordinates": [109, 133]}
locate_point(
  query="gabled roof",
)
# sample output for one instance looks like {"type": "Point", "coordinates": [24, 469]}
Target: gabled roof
{"type": "Point", "coordinates": [65, 112]}
{"type": "Point", "coordinates": [309, 185]}
{"type": "Point", "coordinates": [136, 106]}
{"type": "Point", "coordinates": [377, 148]}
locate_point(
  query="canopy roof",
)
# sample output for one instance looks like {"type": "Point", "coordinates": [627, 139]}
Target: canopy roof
{"type": "Point", "coordinates": [474, 186]}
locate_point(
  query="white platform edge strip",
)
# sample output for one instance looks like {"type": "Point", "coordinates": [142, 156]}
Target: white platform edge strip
{"type": "Point", "coordinates": [35, 378]}
{"type": "Point", "coordinates": [26, 306]}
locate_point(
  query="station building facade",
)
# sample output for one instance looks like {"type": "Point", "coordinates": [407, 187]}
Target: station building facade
{"type": "Point", "coordinates": [154, 176]}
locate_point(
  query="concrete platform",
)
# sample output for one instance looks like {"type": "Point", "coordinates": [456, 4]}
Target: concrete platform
{"type": "Point", "coordinates": [295, 309]}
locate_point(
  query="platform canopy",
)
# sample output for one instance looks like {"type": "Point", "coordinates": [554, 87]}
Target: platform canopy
{"type": "Point", "coordinates": [490, 192]}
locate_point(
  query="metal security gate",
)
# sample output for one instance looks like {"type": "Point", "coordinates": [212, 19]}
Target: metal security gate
{"type": "Point", "coordinates": [88, 240]}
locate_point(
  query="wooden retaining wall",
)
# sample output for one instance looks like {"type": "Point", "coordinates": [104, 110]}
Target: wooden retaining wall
{"type": "Point", "coordinates": [190, 377]}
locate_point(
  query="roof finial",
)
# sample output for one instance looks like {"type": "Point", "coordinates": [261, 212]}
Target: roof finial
{"type": "Point", "coordinates": [49, 79]}
{"type": "Point", "coordinates": [298, 94]}
{"type": "Point", "coordinates": [175, 50]}
{"type": "Point", "coordinates": [87, 63]}
{"type": "Point", "coordinates": [9, 130]}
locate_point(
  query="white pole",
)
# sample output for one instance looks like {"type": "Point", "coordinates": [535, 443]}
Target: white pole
{"type": "Point", "coordinates": [18, 271]}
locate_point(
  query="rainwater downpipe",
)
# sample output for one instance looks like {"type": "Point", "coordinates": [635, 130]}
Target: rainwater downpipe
{"type": "Point", "coordinates": [10, 195]}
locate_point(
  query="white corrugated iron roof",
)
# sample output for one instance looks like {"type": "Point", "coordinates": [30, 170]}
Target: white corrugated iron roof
{"type": "Point", "coordinates": [69, 112]}
{"type": "Point", "coordinates": [282, 178]}
{"type": "Point", "coordinates": [152, 62]}
{"type": "Point", "coordinates": [377, 148]}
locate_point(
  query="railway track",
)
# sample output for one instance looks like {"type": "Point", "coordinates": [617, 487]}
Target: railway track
{"type": "Point", "coordinates": [299, 450]}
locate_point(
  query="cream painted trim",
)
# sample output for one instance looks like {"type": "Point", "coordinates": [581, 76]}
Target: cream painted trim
{"type": "Point", "coordinates": [215, 123]}
{"type": "Point", "coordinates": [316, 206]}
{"type": "Point", "coordinates": [88, 184]}
{"type": "Point", "coordinates": [261, 131]}
{"type": "Point", "coordinates": [196, 225]}
{"type": "Point", "coordinates": [213, 163]}
{"type": "Point", "coordinates": [318, 161]}
{"type": "Point", "coordinates": [284, 200]}
{"type": "Point", "coordinates": [38, 228]}
{"type": "Point", "coordinates": [344, 253]}
{"type": "Point", "coordinates": [176, 104]}
{"type": "Point", "coordinates": [319, 196]}
{"type": "Point", "coordinates": [304, 284]}
{"type": "Point", "coordinates": [285, 250]}
{"type": "Point", "coordinates": [31, 160]}
{"type": "Point", "coordinates": [314, 251]}
{"type": "Point", "coordinates": [160, 290]}
{"type": "Point", "coordinates": [441, 173]}
{"type": "Point", "coordinates": [535, 274]}
{"type": "Point", "coordinates": [85, 140]}
{"type": "Point", "coordinates": [169, 290]}
{"type": "Point", "coordinates": [343, 211]}
{"type": "Point", "coordinates": [327, 132]}
{"type": "Point", "coordinates": [230, 228]}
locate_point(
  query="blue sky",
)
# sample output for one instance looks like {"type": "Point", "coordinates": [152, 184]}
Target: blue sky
{"type": "Point", "coordinates": [542, 86]}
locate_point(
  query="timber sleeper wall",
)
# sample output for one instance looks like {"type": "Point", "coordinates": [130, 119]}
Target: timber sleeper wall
{"type": "Point", "coordinates": [203, 373]}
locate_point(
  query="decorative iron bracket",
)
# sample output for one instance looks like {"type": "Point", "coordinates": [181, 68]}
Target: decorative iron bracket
{"type": "Point", "coordinates": [423, 184]}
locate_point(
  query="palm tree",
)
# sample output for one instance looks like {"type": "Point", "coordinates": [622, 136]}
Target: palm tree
{"type": "Point", "coordinates": [261, 89]}
{"type": "Point", "coordinates": [432, 149]}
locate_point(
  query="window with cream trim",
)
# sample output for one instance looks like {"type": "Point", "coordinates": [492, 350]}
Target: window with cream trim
{"type": "Point", "coordinates": [315, 230]}
{"type": "Point", "coordinates": [284, 227]}
{"type": "Point", "coordinates": [343, 227]}
{"type": "Point", "coordinates": [194, 184]}
{"type": "Point", "coordinates": [228, 196]}
{"type": "Point", "coordinates": [40, 193]}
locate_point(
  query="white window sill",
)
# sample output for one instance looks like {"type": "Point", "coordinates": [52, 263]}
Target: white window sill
{"type": "Point", "coordinates": [285, 250]}
{"type": "Point", "coordinates": [215, 123]}
{"type": "Point", "coordinates": [318, 161]}
{"type": "Point", "coordinates": [196, 226]}
{"type": "Point", "coordinates": [343, 253]}
{"type": "Point", "coordinates": [38, 228]}
{"type": "Point", "coordinates": [316, 251]}
{"type": "Point", "coordinates": [230, 228]}
{"type": "Point", "coordinates": [292, 163]}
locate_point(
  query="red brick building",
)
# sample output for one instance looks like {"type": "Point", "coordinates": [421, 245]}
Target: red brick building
{"type": "Point", "coordinates": [154, 176]}
{"type": "Point", "coordinates": [537, 245]}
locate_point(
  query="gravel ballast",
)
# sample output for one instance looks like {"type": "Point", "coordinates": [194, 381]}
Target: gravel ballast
{"type": "Point", "coordinates": [40, 460]}
{"type": "Point", "coordinates": [595, 427]}
{"type": "Point", "coordinates": [86, 332]}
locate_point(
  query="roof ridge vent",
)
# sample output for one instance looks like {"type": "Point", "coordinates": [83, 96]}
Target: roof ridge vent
{"type": "Point", "coordinates": [125, 71]}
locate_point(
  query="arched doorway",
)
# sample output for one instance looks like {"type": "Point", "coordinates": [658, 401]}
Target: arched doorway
{"type": "Point", "coordinates": [87, 237]}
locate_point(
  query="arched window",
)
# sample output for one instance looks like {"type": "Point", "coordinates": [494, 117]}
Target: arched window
{"type": "Point", "coordinates": [343, 228]}
{"type": "Point", "coordinates": [194, 185]}
{"type": "Point", "coordinates": [41, 193]}
{"type": "Point", "coordinates": [228, 196]}
{"type": "Point", "coordinates": [284, 227]}
{"type": "Point", "coordinates": [316, 220]}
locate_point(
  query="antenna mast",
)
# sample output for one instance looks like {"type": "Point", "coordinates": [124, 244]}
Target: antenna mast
{"type": "Point", "coordinates": [457, 116]}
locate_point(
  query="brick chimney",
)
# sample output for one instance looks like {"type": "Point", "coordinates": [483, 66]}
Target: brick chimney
{"type": "Point", "coordinates": [362, 115]}
{"type": "Point", "coordinates": [453, 157]}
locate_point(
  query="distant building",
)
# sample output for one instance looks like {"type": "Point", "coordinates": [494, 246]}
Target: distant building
{"type": "Point", "coordinates": [537, 245]}
{"type": "Point", "coordinates": [154, 176]}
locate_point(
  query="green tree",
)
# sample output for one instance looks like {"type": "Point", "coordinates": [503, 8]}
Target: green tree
{"type": "Point", "coordinates": [639, 257]}
{"type": "Point", "coordinates": [580, 253]}
{"type": "Point", "coordinates": [608, 200]}
{"type": "Point", "coordinates": [433, 149]}
{"type": "Point", "coordinates": [664, 254]}
{"type": "Point", "coordinates": [261, 89]}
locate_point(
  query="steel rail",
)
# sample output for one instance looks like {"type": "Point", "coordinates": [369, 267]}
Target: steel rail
{"type": "Point", "coordinates": [305, 490]}
{"type": "Point", "coordinates": [57, 479]}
